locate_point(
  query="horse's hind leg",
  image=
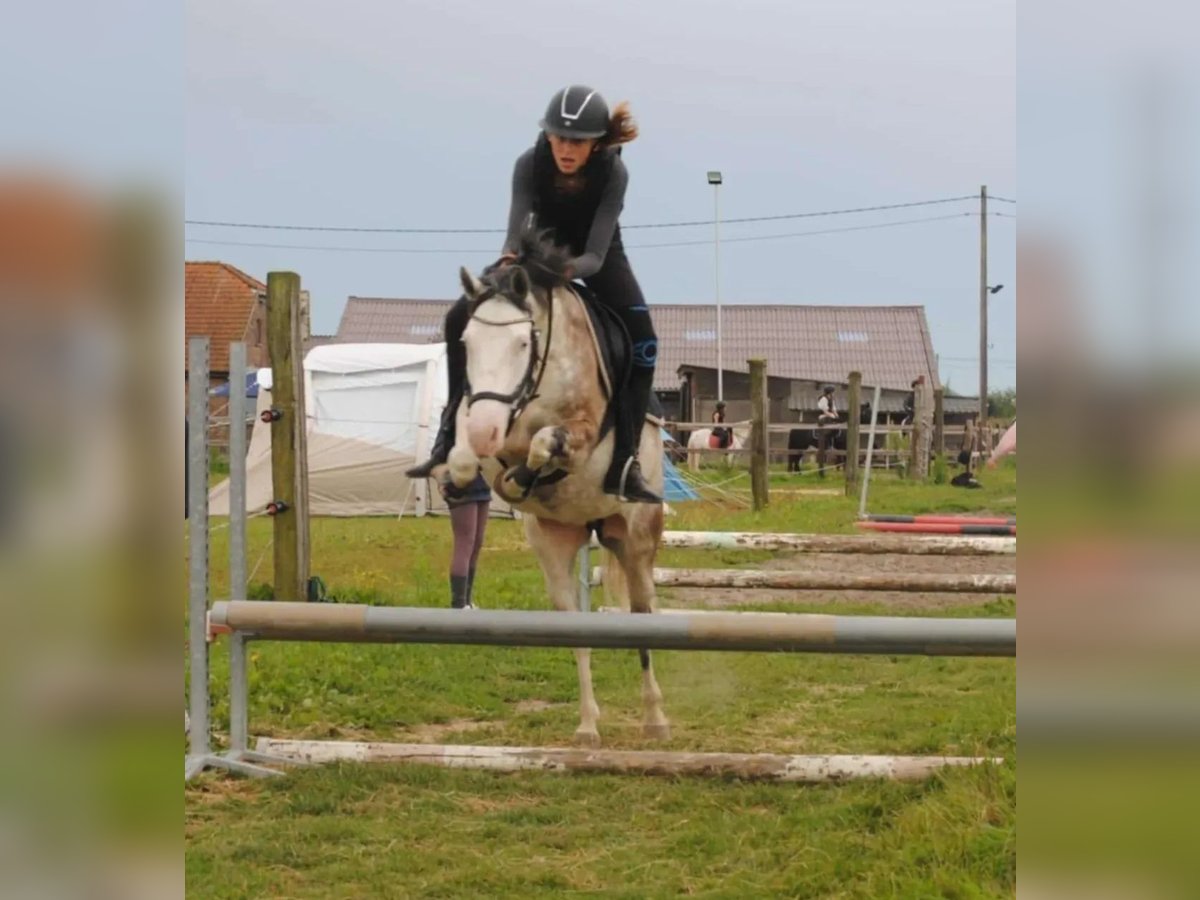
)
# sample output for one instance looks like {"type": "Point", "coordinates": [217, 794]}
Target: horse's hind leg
{"type": "Point", "coordinates": [556, 546]}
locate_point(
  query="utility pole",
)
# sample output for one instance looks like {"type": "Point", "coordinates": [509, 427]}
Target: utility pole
{"type": "Point", "coordinates": [983, 309]}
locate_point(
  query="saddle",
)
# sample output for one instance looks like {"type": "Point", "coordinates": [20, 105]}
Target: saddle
{"type": "Point", "coordinates": [615, 352]}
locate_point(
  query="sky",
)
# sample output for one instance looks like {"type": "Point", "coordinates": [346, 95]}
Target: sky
{"type": "Point", "coordinates": [410, 115]}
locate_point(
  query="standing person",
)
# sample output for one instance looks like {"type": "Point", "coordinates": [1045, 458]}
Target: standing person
{"type": "Point", "coordinates": [826, 415]}
{"type": "Point", "coordinates": [572, 181]}
{"type": "Point", "coordinates": [468, 520]}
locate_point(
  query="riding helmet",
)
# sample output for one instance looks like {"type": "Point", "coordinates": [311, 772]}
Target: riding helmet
{"type": "Point", "coordinates": [577, 111]}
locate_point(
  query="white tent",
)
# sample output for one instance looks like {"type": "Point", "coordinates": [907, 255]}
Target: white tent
{"type": "Point", "coordinates": [372, 411]}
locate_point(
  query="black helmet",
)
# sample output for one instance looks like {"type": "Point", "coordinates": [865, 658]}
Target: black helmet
{"type": "Point", "coordinates": [827, 389]}
{"type": "Point", "coordinates": [576, 112]}
{"type": "Point", "coordinates": [720, 404]}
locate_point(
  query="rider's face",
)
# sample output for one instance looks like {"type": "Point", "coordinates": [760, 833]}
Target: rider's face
{"type": "Point", "coordinates": [570, 154]}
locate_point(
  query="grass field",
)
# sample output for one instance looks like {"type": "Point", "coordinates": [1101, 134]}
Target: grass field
{"type": "Point", "coordinates": [358, 831]}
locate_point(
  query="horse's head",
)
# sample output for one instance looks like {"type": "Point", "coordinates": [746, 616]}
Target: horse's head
{"type": "Point", "coordinates": [503, 345]}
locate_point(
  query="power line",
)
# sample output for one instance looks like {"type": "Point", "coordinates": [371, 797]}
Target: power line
{"type": "Point", "coordinates": [680, 224]}
{"type": "Point", "coordinates": [491, 250]}
{"type": "Point", "coordinates": [770, 237]}
{"type": "Point", "coordinates": [1001, 199]}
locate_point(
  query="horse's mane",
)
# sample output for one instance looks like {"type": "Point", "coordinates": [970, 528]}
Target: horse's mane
{"type": "Point", "coordinates": [544, 260]}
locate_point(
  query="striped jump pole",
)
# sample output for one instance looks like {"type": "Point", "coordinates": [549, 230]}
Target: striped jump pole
{"type": "Point", "coordinates": [781, 632]}
{"type": "Point", "coordinates": [940, 528]}
{"type": "Point", "coordinates": [946, 519]}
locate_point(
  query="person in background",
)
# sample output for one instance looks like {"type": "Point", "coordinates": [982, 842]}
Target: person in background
{"type": "Point", "coordinates": [826, 410]}
{"type": "Point", "coordinates": [468, 520]}
{"type": "Point", "coordinates": [720, 436]}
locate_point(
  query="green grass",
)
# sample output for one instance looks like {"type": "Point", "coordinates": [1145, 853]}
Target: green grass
{"type": "Point", "coordinates": [355, 831]}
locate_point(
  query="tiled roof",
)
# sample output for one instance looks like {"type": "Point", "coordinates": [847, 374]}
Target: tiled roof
{"type": "Point", "coordinates": [890, 345]}
{"type": "Point", "coordinates": [219, 299]}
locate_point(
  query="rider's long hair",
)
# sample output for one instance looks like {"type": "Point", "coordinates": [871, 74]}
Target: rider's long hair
{"type": "Point", "coordinates": [622, 128]}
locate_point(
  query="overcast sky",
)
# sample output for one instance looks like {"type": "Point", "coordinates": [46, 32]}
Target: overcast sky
{"type": "Point", "coordinates": [410, 115]}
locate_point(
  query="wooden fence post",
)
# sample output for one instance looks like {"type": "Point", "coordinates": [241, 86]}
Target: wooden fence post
{"type": "Point", "coordinates": [853, 417]}
{"type": "Point", "coordinates": [287, 435]}
{"type": "Point", "coordinates": [915, 436]}
{"type": "Point", "coordinates": [939, 422]}
{"type": "Point", "coordinates": [759, 438]}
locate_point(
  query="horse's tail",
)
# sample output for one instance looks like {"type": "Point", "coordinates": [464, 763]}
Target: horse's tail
{"type": "Point", "coordinates": [616, 585]}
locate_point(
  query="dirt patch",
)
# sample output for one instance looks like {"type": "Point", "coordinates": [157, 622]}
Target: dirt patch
{"type": "Point", "coordinates": [434, 732]}
{"type": "Point", "coordinates": [534, 706]}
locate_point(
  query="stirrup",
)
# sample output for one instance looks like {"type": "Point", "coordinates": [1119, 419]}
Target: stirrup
{"type": "Point", "coordinates": [643, 494]}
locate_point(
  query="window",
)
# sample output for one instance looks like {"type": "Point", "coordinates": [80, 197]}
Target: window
{"type": "Point", "coordinates": [425, 330]}
{"type": "Point", "coordinates": [702, 335]}
{"type": "Point", "coordinates": [258, 331]}
{"type": "Point", "coordinates": [852, 337]}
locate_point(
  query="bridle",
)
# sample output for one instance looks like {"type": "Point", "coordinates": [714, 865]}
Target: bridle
{"type": "Point", "coordinates": [527, 390]}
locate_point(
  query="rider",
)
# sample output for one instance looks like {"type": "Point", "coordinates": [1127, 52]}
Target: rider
{"type": "Point", "coordinates": [718, 418]}
{"type": "Point", "coordinates": [826, 411]}
{"type": "Point", "coordinates": [573, 181]}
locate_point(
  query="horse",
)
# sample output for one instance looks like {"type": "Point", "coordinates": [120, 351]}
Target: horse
{"type": "Point", "coordinates": [702, 440]}
{"type": "Point", "coordinates": [801, 440]}
{"type": "Point", "coordinates": [531, 421]}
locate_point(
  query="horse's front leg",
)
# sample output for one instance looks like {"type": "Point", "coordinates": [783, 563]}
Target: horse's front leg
{"type": "Point", "coordinates": [560, 445]}
{"type": "Point", "coordinates": [462, 461]}
{"type": "Point", "coordinates": [556, 546]}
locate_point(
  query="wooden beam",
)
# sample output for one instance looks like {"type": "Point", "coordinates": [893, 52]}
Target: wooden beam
{"type": "Point", "coordinates": [759, 467]}
{"type": "Point", "coordinates": [853, 417]}
{"type": "Point", "coordinates": [747, 766]}
{"type": "Point", "coordinates": [832, 581]}
{"type": "Point", "coordinates": [283, 297]}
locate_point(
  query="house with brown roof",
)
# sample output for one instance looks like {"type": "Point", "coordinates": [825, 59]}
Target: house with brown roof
{"type": "Point", "coordinates": [805, 347]}
{"type": "Point", "coordinates": [224, 304]}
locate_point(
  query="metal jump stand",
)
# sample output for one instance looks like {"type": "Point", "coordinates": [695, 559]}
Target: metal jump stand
{"type": "Point", "coordinates": [238, 758]}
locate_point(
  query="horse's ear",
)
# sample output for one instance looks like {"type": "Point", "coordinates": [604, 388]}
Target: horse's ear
{"type": "Point", "coordinates": [519, 284]}
{"type": "Point", "coordinates": [471, 285]}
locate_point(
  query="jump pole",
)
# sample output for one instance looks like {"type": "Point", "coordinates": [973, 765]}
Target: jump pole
{"type": "Point", "coordinates": [830, 581]}
{"type": "Point", "coordinates": [934, 519]}
{"type": "Point", "coordinates": [743, 766]}
{"type": "Point", "coordinates": [932, 545]}
{"type": "Point", "coordinates": [783, 632]}
{"type": "Point", "coordinates": [940, 528]}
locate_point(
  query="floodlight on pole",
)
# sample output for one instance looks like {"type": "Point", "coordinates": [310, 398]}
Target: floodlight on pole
{"type": "Point", "coordinates": [714, 178]}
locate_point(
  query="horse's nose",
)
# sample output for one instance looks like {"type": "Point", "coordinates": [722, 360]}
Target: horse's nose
{"type": "Point", "coordinates": [484, 430]}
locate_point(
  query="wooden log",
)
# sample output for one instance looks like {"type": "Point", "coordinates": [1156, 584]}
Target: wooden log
{"type": "Point", "coordinates": [741, 766]}
{"type": "Point", "coordinates": [831, 581]}
{"type": "Point", "coordinates": [841, 543]}
{"type": "Point", "coordinates": [759, 440]}
{"type": "Point", "coordinates": [853, 412]}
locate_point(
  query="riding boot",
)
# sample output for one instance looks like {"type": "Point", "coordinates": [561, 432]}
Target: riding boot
{"type": "Point", "coordinates": [460, 597]}
{"type": "Point", "coordinates": [456, 375]}
{"type": "Point", "coordinates": [624, 478]}
{"type": "Point", "coordinates": [442, 444]}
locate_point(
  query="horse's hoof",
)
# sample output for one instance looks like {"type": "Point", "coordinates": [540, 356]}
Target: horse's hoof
{"type": "Point", "coordinates": [587, 738]}
{"type": "Point", "coordinates": [659, 732]}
